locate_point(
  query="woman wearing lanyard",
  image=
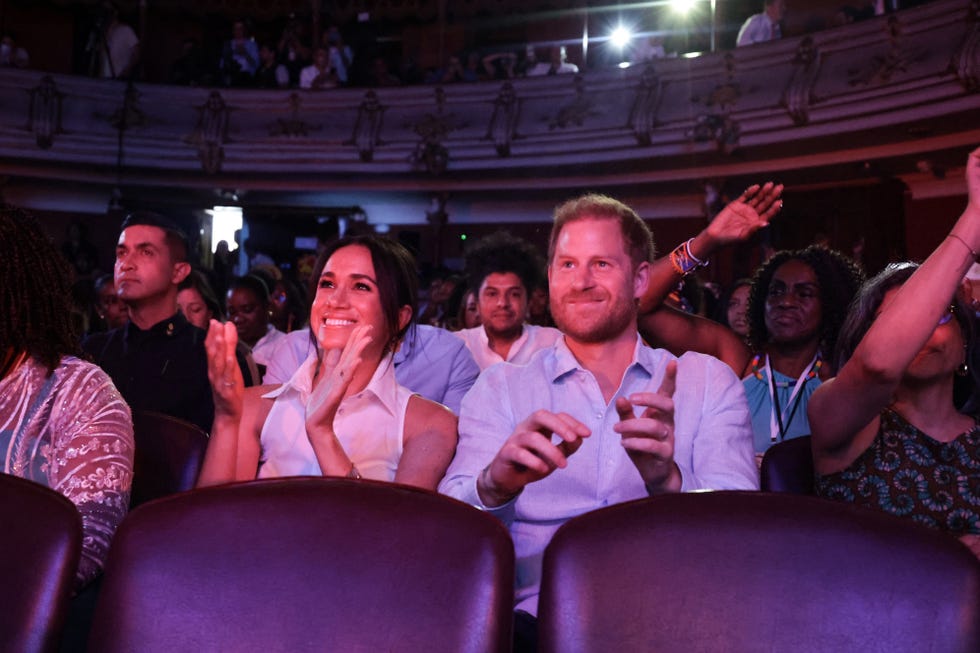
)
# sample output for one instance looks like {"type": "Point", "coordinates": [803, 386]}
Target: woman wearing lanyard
{"type": "Point", "coordinates": [797, 303]}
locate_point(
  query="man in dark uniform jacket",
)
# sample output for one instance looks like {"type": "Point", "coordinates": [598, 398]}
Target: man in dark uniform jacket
{"type": "Point", "coordinates": [158, 360]}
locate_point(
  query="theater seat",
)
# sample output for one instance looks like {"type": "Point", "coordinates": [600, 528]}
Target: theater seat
{"type": "Point", "coordinates": [39, 550]}
{"type": "Point", "coordinates": [740, 572]}
{"type": "Point", "coordinates": [787, 466]}
{"type": "Point", "coordinates": [307, 564]}
{"type": "Point", "coordinates": [169, 453]}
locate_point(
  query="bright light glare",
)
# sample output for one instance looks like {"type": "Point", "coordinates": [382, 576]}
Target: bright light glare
{"type": "Point", "coordinates": [620, 37]}
{"type": "Point", "coordinates": [682, 6]}
{"type": "Point", "coordinates": [225, 221]}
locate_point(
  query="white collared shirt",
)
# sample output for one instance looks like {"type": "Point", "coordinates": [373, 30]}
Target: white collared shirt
{"type": "Point", "coordinates": [370, 426]}
{"type": "Point", "coordinates": [533, 339]}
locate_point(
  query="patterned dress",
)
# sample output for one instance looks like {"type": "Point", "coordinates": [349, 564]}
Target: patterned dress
{"type": "Point", "coordinates": [909, 474]}
{"type": "Point", "coordinates": [71, 431]}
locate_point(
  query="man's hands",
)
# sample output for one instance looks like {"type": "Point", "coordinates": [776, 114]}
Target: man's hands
{"type": "Point", "coordinates": [529, 455]}
{"type": "Point", "coordinates": [649, 438]}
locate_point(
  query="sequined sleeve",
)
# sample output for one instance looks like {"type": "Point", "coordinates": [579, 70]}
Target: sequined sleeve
{"type": "Point", "coordinates": [89, 440]}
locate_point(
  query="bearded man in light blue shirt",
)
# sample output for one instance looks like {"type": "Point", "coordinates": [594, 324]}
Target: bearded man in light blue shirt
{"type": "Point", "coordinates": [598, 418]}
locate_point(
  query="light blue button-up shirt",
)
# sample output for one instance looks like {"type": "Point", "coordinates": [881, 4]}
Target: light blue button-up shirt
{"type": "Point", "coordinates": [712, 441]}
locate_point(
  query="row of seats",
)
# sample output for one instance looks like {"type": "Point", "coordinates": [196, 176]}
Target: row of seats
{"type": "Point", "coordinates": [170, 451]}
{"type": "Point", "coordinates": [315, 564]}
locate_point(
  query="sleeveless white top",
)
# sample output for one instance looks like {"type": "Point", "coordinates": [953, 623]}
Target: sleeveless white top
{"type": "Point", "coordinates": [370, 425]}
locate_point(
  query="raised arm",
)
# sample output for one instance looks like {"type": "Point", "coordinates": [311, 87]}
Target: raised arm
{"type": "Point", "coordinates": [233, 448]}
{"type": "Point", "coordinates": [843, 413]}
{"type": "Point", "coordinates": [679, 332]}
{"type": "Point", "coordinates": [735, 223]}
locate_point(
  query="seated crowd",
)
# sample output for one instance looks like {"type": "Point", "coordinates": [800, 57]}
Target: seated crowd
{"type": "Point", "coordinates": [532, 423]}
{"type": "Point", "coordinates": [292, 52]}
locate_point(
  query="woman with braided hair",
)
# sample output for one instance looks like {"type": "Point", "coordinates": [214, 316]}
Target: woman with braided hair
{"type": "Point", "coordinates": [63, 424]}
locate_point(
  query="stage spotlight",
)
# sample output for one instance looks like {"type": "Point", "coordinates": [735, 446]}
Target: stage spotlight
{"type": "Point", "coordinates": [620, 37]}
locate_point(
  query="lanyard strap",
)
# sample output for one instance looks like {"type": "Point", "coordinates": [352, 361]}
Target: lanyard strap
{"type": "Point", "coordinates": [778, 423]}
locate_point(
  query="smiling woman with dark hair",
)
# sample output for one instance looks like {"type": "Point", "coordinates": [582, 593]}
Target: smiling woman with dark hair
{"type": "Point", "coordinates": [342, 413]}
{"type": "Point", "coordinates": [63, 424]}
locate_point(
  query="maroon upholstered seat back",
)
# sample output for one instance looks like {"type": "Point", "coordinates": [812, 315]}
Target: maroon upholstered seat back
{"type": "Point", "coordinates": [787, 466]}
{"type": "Point", "coordinates": [739, 572]}
{"type": "Point", "coordinates": [307, 564]}
{"type": "Point", "coordinates": [39, 549]}
{"type": "Point", "coordinates": [169, 453]}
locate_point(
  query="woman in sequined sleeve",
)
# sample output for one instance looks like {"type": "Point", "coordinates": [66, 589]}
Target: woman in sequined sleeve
{"type": "Point", "coordinates": [886, 432]}
{"type": "Point", "coordinates": [63, 424]}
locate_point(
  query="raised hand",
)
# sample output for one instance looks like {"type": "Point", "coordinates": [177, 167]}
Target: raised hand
{"type": "Point", "coordinates": [529, 455]}
{"type": "Point", "coordinates": [744, 216]}
{"type": "Point", "coordinates": [227, 384]}
{"type": "Point", "coordinates": [649, 438]}
{"type": "Point", "coordinates": [973, 178]}
{"type": "Point", "coordinates": [334, 375]}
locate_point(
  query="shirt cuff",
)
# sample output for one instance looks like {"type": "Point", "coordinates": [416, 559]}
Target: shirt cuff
{"type": "Point", "coordinates": [504, 512]}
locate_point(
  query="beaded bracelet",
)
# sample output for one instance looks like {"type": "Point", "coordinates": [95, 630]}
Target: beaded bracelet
{"type": "Point", "coordinates": [684, 261]}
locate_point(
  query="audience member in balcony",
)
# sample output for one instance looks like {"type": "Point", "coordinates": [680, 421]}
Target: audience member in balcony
{"type": "Point", "coordinates": [797, 304]}
{"type": "Point", "coordinates": [110, 309]}
{"type": "Point", "coordinates": [63, 423]}
{"type": "Point", "coordinates": [293, 50]}
{"type": "Point", "coordinates": [157, 360]}
{"type": "Point", "coordinates": [239, 57]}
{"type": "Point", "coordinates": [861, 10]}
{"type": "Point", "coordinates": [759, 28]}
{"type": "Point", "coordinates": [250, 309]}
{"type": "Point", "coordinates": [341, 55]}
{"type": "Point", "coordinates": [451, 73]}
{"type": "Point", "coordinates": [381, 75]}
{"type": "Point", "coordinates": [647, 49]}
{"type": "Point", "coordinates": [597, 418]}
{"type": "Point", "coordinates": [342, 413]}
{"type": "Point", "coordinates": [199, 305]}
{"type": "Point", "coordinates": [504, 269]}
{"type": "Point", "coordinates": [526, 63]}
{"type": "Point", "coordinates": [320, 74]}
{"type": "Point", "coordinates": [118, 46]}
{"type": "Point", "coordinates": [557, 64]}
{"type": "Point", "coordinates": [189, 68]}
{"type": "Point", "coordinates": [11, 54]}
{"type": "Point", "coordinates": [887, 433]}
{"type": "Point", "coordinates": [270, 73]}
{"type": "Point", "coordinates": [500, 65]}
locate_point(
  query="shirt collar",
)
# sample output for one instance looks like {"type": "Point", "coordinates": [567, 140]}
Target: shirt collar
{"type": "Point", "coordinates": [382, 385]}
{"type": "Point", "coordinates": [167, 328]}
{"type": "Point", "coordinates": [565, 361]}
{"type": "Point", "coordinates": [405, 347]}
